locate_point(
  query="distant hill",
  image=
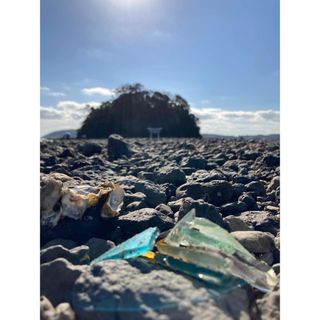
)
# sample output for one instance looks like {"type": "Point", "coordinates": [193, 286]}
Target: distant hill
{"type": "Point", "coordinates": [268, 137]}
{"type": "Point", "coordinates": [59, 134]}
{"type": "Point", "coordinates": [135, 109]}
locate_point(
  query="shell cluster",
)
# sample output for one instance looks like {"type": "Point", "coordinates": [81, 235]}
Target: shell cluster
{"type": "Point", "coordinates": [61, 196]}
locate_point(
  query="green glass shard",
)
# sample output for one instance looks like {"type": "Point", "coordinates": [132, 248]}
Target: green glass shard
{"type": "Point", "coordinates": [200, 241]}
{"type": "Point", "coordinates": [218, 261]}
{"type": "Point", "coordinates": [218, 281]}
{"type": "Point", "coordinates": [133, 247]}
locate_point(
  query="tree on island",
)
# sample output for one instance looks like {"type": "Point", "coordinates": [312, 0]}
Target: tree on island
{"type": "Point", "coordinates": [135, 109]}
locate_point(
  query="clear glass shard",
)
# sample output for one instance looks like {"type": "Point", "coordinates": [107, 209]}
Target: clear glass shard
{"type": "Point", "coordinates": [209, 239]}
{"type": "Point", "coordinates": [133, 247]}
{"type": "Point", "coordinates": [218, 261]}
{"type": "Point", "coordinates": [218, 281]}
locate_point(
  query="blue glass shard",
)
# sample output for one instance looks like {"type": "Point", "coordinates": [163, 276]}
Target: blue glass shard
{"type": "Point", "coordinates": [133, 247]}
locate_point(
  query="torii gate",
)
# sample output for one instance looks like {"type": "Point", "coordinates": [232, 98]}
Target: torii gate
{"type": "Point", "coordinates": [153, 131]}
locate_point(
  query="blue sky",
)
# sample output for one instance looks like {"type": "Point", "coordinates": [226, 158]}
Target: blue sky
{"type": "Point", "coordinates": [221, 55]}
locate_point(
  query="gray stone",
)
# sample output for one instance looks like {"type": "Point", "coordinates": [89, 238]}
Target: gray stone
{"type": "Point", "coordinates": [233, 208]}
{"type": "Point", "coordinates": [269, 305]}
{"type": "Point", "coordinates": [236, 224]}
{"type": "Point", "coordinates": [68, 244]}
{"type": "Point", "coordinates": [165, 209]}
{"type": "Point", "coordinates": [203, 210]}
{"type": "Point", "coordinates": [257, 187]}
{"type": "Point", "coordinates": [77, 255]}
{"type": "Point", "coordinates": [255, 241]}
{"type": "Point", "coordinates": [274, 184]}
{"type": "Point", "coordinates": [98, 246]}
{"type": "Point", "coordinates": [90, 148]}
{"type": "Point", "coordinates": [172, 175]}
{"type": "Point", "coordinates": [194, 162]}
{"type": "Point", "coordinates": [141, 290]}
{"type": "Point", "coordinates": [62, 312]}
{"type": "Point", "coordinates": [261, 221]}
{"type": "Point", "coordinates": [193, 190]}
{"type": "Point", "coordinates": [139, 220]}
{"type": "Point", "coordinates": [154, 193]}
{"type": "Point", "coordinates": [57, 278]}
{"type": "Point", "coordinates": [218, 192]}
{"type": "Point", "coordinates": [117, 147]}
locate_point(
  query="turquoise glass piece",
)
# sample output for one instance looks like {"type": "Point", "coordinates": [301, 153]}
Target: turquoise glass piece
{"type": "Point", "coordinates": [202, 242]}
{"type": "Point", "coordinates": [218, 281]}
{"type": "Point", "coordinates": [133, 247]}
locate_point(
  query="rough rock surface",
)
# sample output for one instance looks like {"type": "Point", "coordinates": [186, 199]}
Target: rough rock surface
{"type": "Point", "coordinates": [107, 292]}
{"type": "Point", "coordinates": [77, 255]}
{"type": "Point", "coordinates": [255, 241]}
{"type": "Point", "coordinates": [233, 182]}
{"type": "Point", "coordinates": [62, 312]}
{"type": "Point", "coordinates": [139, 220]}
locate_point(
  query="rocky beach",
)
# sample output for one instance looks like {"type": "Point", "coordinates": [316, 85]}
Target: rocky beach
{"type": "Point", "coordinates": [234, 183]}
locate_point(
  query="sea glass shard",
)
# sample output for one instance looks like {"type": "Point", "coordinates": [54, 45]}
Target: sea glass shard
{"type": "Point", "coordinates": [200, 241]}
{"type": "Point", "coordinates": [134, 247]}
{"type": "Point", "coordinates": [220, 282]}
{"type": "Point", "coordinates": [192, 230]}
{"type": "Point", "coordinates": [217, 260]}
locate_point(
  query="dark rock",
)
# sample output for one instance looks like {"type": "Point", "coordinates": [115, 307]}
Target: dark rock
{"type": "Point", "coordinates": [68, 244]}
{"type": "Point", "coordinates": [261, 221]}
{"type": "Point", "coordinates": [269, 305]}
{"type": "Point", "coordinates": [154, 193]}
{"type": "Point", "coordinates": [165, 209]}
{"type": "Point", "coordinates": [267, 257]}
{"type": "Point", "coordinates": [77, 255]}
{"type": "Point", "coordinates": [256, 187]}
{"type": "Point", "coordinates": [147, 176]}
{"type": "Point", "coordinates": [117, 147]}
{"type": "Point", "coordinates": [193, 190]}
{"type": "Point", "coordinates": [171, 175]}
{"type": "Point", "coordinates": [235, 224]}
{"type": "Point", "coordinates": [271, 161]}
{"type": "Point", "coordinates": [90, 148]}
{"type": "Point", "coordinates": [238, 190]}
{"type": "Point", "coordinates": [242, 179]}
{"type": "Point", "coordinates": [274, 184]}
{"type": "Point", "coordinates": [250, 155]}
{"type": "Point", "coordinates": [135, 205]}
{"type": "Point", "coordinates": [98, 246]}
{"type": "Point", "coordinates": [66, 153]}
{"type": "Point", "coordinates": [233, 208]}
{"type": "Point", "coordinates": [218, 192]}
{"type": "Point", "coordinates": [131, 197]}
{"type": "Point", "coordinates": [203, 210]}
{"type": "Point", "coordinates": [255, 241]}
{"type": "Point", "coordinates": [276, 268]}
{"type": "Point", "coordinates": [139, 220]}
{"type": "Point", "coordinates": [249, 200]}
{"type": "Point", "coordinates": [194, 162]}
{"type": "Point", "coordinates": [57, 280]}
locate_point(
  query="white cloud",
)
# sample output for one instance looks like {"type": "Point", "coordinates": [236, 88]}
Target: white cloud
{"type": "Point", "coordinates": [219, 121]}
{"type": "Point", "coordinates": [56, 94]}
{"type": "Point", "coordinates": [98, 90]}
{"type": "Point", "coordinates": [65, 115]}
{"type": "Point", "coordinates": [51, 93]}
{"type": "Point", "coordinates": [50, 113]}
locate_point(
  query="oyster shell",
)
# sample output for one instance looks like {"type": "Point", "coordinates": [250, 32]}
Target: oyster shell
{"type": "Point", "coordinates": [61, 197]}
